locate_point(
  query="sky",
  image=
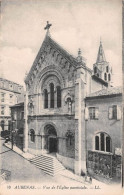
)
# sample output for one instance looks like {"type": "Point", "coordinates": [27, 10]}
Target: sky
{"type": "Point", "coordinates": [75, 24]}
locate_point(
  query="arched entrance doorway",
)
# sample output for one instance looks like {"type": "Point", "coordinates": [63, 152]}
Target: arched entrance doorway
{"type": "Point", "coordinates": [50, 138]}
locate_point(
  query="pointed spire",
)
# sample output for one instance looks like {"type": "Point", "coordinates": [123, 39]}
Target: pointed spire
{"type": "Point", "coordinates": [101, 55]}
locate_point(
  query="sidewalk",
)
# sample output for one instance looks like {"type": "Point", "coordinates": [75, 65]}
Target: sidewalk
{"type": "Point", "coordinates": [25, 155]}
{"type": "Point", "coordinates": [65, 173]}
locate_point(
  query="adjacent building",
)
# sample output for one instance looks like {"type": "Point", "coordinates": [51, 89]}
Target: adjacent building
{"type": "Point", "coordinates": [10, 94]}
{"type": "Point", "coordinates": [104, 132]}
{"type": "Point", "coordinates": [17, 117]}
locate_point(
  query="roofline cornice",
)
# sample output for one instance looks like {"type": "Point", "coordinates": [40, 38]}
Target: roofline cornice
{"type": "Point", "coordinates": [103, 96]}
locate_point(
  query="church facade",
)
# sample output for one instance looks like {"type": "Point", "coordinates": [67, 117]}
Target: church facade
{"type": "Point", "coordinates": [60, 103]}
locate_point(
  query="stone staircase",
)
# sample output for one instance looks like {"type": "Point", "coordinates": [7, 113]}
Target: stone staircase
{"type": "Point", "coordinates": [49, 164]}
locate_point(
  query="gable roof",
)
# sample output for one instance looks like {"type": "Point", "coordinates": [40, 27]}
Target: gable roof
{"type": "Point", "coordinates": [69, 57]}
{"type": "Point", "coordinates": [111, 91]}
{"type": "Point", "coordinates": [63, 51]}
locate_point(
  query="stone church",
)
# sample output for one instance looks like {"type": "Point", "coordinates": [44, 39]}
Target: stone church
{"type": "Point", "coordinates": [56, 114]}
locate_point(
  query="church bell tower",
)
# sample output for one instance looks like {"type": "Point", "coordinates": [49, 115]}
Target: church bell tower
{"type": "Point", "coordinates": [101, 68]}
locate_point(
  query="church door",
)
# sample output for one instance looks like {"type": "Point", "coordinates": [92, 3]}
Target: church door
{"type": "Point", "coordinates": [52, 144]}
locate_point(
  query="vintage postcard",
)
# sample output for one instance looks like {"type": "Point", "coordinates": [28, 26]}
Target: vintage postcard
{"type": "Point", "coordinates": [61, 111]}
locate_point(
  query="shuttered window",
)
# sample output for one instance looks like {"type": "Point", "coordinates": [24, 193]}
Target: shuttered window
{"type": "Point", "coordinates": [93, 112]}
{"type": "Point", "coordinates": [115, 112]}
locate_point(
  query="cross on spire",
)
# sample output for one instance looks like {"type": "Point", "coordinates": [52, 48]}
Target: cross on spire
{"type": "Point", "coordinates": [47, 27]}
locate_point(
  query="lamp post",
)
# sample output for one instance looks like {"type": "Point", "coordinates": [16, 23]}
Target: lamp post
{"type": "Point", "coordinates": [12, 132]}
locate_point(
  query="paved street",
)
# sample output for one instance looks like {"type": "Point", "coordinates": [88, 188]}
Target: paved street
{"type": "Point", "coordinates": [23, 171]}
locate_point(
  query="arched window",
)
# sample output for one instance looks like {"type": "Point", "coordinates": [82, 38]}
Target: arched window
{"type": "Point", "coordinates": [107, 69]}
{"type": "Point", "coordinates": [96, 142]}
{"type": "Point", "coordinates": [108, 143]}
{"type": "Point", "coordinates": [109, 77]}
{"type": "Point", "coordinates": [32, 135]}
{"type": "Point", "coordinates": [103, 142]}
{"type": "Point", "coordinates": [105, 77]}
{"type": "Point", "coordinates": [95, 70]}
{"type": "Point", "coordinates": [45, 98]}
{"type": "Point", "coordinates": [51, 95]}
{"type": "Point", "coordinates": [58, 96]}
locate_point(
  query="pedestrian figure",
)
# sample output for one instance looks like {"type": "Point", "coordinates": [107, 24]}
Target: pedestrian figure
{"type": "Point", "coordinates": [85, 177]}
{"type": "Point", "coordinates": [90, 179]}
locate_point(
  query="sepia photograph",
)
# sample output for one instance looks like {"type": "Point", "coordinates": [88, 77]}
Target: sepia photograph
{"type": "Point", "coordinates": [61, 97]}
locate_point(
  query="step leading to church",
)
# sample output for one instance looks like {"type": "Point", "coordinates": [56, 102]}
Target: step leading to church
{"type": "Point", "coordinates": [49, 164]}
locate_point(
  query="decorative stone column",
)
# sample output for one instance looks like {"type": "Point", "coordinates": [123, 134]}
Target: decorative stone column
{"type": "Point", "coordinates": [80, 137]}
{"type": "Point", "coordinates": [55, 98]}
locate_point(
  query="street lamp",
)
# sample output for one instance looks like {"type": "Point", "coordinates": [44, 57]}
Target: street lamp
{"type": "Point", "coordinates": [12, 132]}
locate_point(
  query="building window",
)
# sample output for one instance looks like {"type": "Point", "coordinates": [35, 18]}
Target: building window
{"type": "Point", "coordinates": [103, 142]}
{"type": "Point", "coordinates": [93, 112]}
{"type": "Point", "coordinates": [113, 112]}
{"type": "Point", "coordinates": [2, 125]}
{"type": "Point", "coordinates": [2, 110]}
{"type": "Point", "coordinates": [45, 98]}
{"type": "Point", "coordinates": [10, 86]}
{"type": "Point", "coordinates": [96, 142]}
{"type": "Point", "coordinates": [95, 70]}
{"type": "Point", "coordinates": [109, 77]}
{"type": "Point", "coordinates": [108, 142]}
{"type": "Point", "coordinates": [15, 115]}
{"type": "Point", "coordinates": [51, 95]}
{"type": "Point", "coordinates": [32, 135]}
{"type": "Point", "coordinates": [21, 115]}
{"type": "Point", "coordinates": [107, 69]}
{"type": "Point", "coordinates": [105, 76]}
{"type": "Point", "coordinates": [58, 96]}
{"type": "Point", "coordinates": [11, 98]}
{"type": "Point", "coordinates": [2, 97]}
